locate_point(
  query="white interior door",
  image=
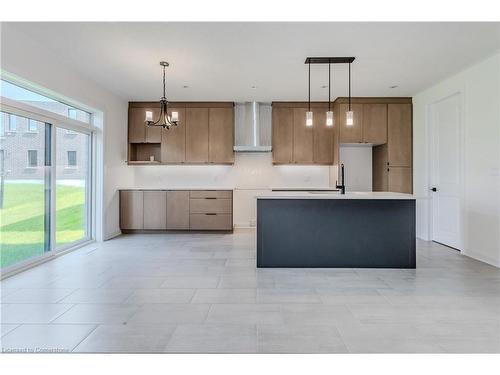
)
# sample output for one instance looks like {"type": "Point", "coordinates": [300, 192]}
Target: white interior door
{"type": "Point", "coordinates": [446, 171]}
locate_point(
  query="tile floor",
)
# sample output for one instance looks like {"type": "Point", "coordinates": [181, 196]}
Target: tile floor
{"type": "Point", "coordinates": [201, 293]}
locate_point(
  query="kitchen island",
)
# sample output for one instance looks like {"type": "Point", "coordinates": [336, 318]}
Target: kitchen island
{"type": "Point", "coordinates": [328, 229]}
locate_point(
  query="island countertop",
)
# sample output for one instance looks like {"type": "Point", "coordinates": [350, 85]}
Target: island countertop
{"type": "Point", "coordinates": [336, 195]}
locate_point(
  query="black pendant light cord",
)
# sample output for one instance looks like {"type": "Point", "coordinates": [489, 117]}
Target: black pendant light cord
{"type": "Point", "coordinates": [164, 93]}
{"type": "Point", "coordinates": [349, 87]}
{"type": "Point", "coordinates": [329, 82]}
{"type": "Point", "coordinates": [309, 100]}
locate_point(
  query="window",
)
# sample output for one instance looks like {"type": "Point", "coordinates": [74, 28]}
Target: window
{"type": "Point", "coordinates": [12, 123]}
{"type": "Point", "coordinates": [14, 92]}
{"type": "Point", "coordinates": [32, 158]}
{"type": "Point", "coordinates": [46, 195]}
{"type": "Point", "coordinates": [71, 158]}
{"type": "Point", "coordinates": [32, 126]}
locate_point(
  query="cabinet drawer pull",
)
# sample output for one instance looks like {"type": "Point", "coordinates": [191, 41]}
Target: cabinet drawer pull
{"type": "Point", "coordinates": [210, 198]}
{"type": "Point", "coordinates": [210, 213]}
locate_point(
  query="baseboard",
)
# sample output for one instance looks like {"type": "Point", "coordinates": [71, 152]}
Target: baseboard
{"type": "Point", "coordinates": [482, 258]}
{"type": "Point", "coordinates": [111, 236]}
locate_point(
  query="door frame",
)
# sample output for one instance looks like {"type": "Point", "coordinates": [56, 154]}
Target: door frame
{"type": "Point", "coordinates": [461, 167]}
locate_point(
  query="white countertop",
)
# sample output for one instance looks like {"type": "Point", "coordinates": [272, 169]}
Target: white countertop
{"type": "Point", "coordinates": [335, 195]}
{"type": "Point", "coordinates": [177, 188]}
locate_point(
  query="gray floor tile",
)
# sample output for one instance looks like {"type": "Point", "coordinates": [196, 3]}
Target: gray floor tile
{"type": "Point", "coordinates": [196, 282]}
{"type": "Point", "coordinates": [224, 296]}
{"type": "Point", "coordinates": [161, 296]}
{"type": "Point", "coordinates": [97, 314]}
{"type": "Point", "coordinates": [23, 313]}
{"type": "Point", "coordinates": [51, 295]}
{"type": "Point", "coordinates": [299, 339]}
{"type": "Point", "coordinates": [287, 296]}
{"type": "Point", "coordinates": [245, 314]}
{"type": "Point", "coordinates": [6, 328]}
{"type": "Point", "coordinates": [213, 338]}
{"type": "Point", "coordinates": [130, 338]}
{"type": "Point", "coordinates": [98, 296]}
{"type": "Point", "coordinates": [45, 338]}
{"type": "Point", "coordinates": [170, 314]}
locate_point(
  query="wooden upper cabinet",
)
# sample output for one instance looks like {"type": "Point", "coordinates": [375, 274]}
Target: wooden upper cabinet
{"type": "Point", "coordinates": [352, 133]}
{"type": "Point", "coordinates": [375, 123]}
{"type": "Point", "coordinates": [399, 135]}
{"type": "Point", "coordinates": [173, 140]}
{"type": "Point", "coordinates": [282, 137]}
{"type": "Point", "coordinates": [136, 125]}
{"type": "Point", "coordinates": [322, 138]}
{"type": "Point", "coordinates": [138, 131]}
{"type": "Point", "coordinates": [221, 135]}
{"type": "Point", "coordinates": [302, 137]}
{"type": "Point", "coordinates": [197, 135]}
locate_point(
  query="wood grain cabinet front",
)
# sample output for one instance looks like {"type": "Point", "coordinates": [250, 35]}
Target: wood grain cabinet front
{"type": "Point", "coordinates": [155, 210]}
{"type": "Point", "coordinates": [282, 135]}
{"type": "Point", "coordinates": [197, 135]}
{"type": "Point", "coordinates": [173, 140]}
{"type": "Point", "coordinates": [221, 135]}
{"type": "Point", "coordinates": [131, 210]}
{"type": "Point", "coordinates": [178, 210]}
{"type": "Point", "coordinates": [375, 123]}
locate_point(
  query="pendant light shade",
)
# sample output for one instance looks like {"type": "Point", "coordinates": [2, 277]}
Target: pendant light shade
{"type": "Point", "coordinates": [329, 118]}
{"type": "Point", "coordinates": [165, 119]}
{"type": "Point", "coordinates": [309, 118]}
{"type": "Point", "coordinates": [349, 118]}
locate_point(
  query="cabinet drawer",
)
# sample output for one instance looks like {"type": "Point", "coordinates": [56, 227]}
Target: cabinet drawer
{"type": "Point", "coordinates": [210, 205]}
{"type": "Point", "coordinates": [210, 222]}
{"type": "Point", "coordinates": [228, 194]}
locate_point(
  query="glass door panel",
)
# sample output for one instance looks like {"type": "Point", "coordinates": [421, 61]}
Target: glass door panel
{"type": "Point", "coordinates": [24, 189]}
{"type": "Point", "coordinates": [72, 187]}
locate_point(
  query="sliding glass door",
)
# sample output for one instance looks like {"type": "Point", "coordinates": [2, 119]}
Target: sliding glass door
{"type": "Point", "coordinates": [25, 188]}
{"type": "Point", "coordinates": [45, 188]}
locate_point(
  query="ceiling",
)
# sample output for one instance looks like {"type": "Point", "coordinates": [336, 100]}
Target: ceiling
{"type": "Point", "coordinates": [264, 61]}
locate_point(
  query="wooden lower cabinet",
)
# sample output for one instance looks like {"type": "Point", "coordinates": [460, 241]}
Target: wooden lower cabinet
{"type": "Point", "coordinates": [131, 210]}
{"type": "Point", "coordinates": [155, 210]}
{"type": "Point", "coordinates": [176, 210]}
{"type": "Point", "coordinates": [211, 221]}
{"type": "Point", "coordinates": [211, 210]}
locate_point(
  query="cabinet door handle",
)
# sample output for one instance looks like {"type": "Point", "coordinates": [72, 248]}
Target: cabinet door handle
{"type": "Point", "coordinates": [211, 213]}
{"type": "Point", "coordinates": [210, 198]}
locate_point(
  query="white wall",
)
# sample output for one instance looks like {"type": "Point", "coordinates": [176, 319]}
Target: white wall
{"type": "Point", "coordinates": [357, 162]}
{"type": "Point", "coordinates": [25, 58]}
{"type": "Point", "coordinates": [480, 89]}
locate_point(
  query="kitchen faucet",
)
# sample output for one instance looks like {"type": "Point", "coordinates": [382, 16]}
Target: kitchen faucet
{"type": "Point", "coordinates": [342, 185]}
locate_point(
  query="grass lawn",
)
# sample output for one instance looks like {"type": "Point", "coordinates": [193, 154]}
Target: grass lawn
{"type": "Point", "coordinates": [22, 220]}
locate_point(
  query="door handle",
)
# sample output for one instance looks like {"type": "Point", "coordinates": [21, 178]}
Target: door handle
{"type": "Point", "coordinates": [434, 189]}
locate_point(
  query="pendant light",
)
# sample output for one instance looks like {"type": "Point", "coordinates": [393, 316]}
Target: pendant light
{"type": "Point", "coordinates": [329, 113]}
{"type": "Point", "coordinates": [349, 115]}
{"type": "Point", "coordinates": [309, 114]}
{"type": "Point", "coordinates": [165, 120]}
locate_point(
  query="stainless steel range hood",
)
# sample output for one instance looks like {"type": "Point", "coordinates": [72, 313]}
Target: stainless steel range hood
{"type": "Point", "coordinates": [252, 127]}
